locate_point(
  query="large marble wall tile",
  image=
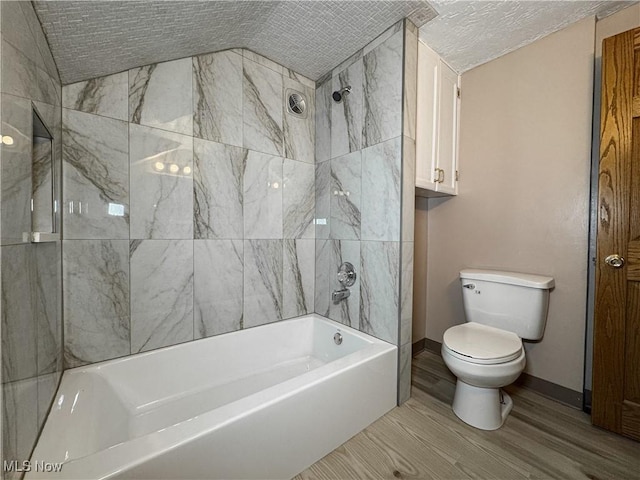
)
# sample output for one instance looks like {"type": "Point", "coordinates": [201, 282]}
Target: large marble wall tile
{"type": "Point", "coordinates": [107, 96]}
{"type": "Point", "coordinates": [323, 121]}
{"type": "Point", "coordinates": [323, 274]}
{"type": "Point", "coordinates": [299, 132]}
{"type": "Point", "coordinates": [96, 300]}
{"type": "Point", "coordinates": [262, 108]}
{"type": "Point", "coordinates": [380, 39]}
{"type": "Point", "coordinates": [16, 169]}
{"type": "Point", "coordinates": [379, 289]}
{"type": "Point", "coordinates": [410, 98]}
{"type": "Point", "coordinates": [96, 176]}
{"type": "Point", "coordinates": [298, 277]}
{"type": "Point", "coordinates": [160, 95]}
{"type": "Point", "coordinates": [47, 386]}
{"type": "Point", "coordinates": [406, 292]}
{"type": "Point", "coordinates": [161, 293]}
{"type": "Point", "coordinates": [17, 32]}
{"type": "Point", "coordinates": [161, 198]}
{"type": "Point", "coordinates": [298, 199]}
{"type": "Point", "coordinates": [19, 321]}
{"type": "Point", "coordinates": [307, 82]}
{"type": "Point", "coordinates": [404, 374]}
{"type": "Point", "coordinates": [47, 389]}
{"type": "Point", "coordinates": [346, 63]}
{"type": "Point", "coordinates": [217, 97]}
{"type": "Point", "coordinates": [381, 191]}
{"type": "Point", "coordinates": [48, 88]}
{"type": "Point", "coordinates": [218, 286]}
{"type": "Point", "coordinates": [408, 188]}
{"type": "Point", "coordinates": [330, 254]}
{"type": "Point", "coordinates": [47, 306]}
{"type": "Point", "coordinates": [45, 60]}
{"type": "Point", "coordinates": [262, 282]}
{"type": "Point", "coordinates": [218, 172]}
{"type": "Point", "coordinates": [263, 61]}
{"type": "Point", "coordinates": [346, 116]}
{"type": "Point", "coordinates": [383, 91]}
{"type": "Point", "coordinates": [323, 199]}
{"type": "Point", "coordinates": [262, 196]}
{"type": "Point", "coordinates": [20, 420]}
{"type": "Point", "coordinates": [345, 196]}
{"type": "Point", "coordinates": [23, 78]}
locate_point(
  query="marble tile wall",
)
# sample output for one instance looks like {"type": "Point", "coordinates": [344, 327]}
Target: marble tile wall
{"type": "Point", "coordinates": [189, 203]}
{"type": "Point", "coordinates": [408, 179]}
{"type": "Point", "coordinates": [364, 173]}
{"type": "Point", "coordinates": [30, 277]}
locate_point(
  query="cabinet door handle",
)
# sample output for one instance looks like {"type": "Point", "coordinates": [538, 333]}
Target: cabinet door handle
{"type": "Point", "coordinates": [437, 176]}
{"type": "Point", "coordinates": [441, 175]}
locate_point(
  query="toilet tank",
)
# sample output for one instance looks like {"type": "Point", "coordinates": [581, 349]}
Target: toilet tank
{"type": "Point", "coordinates": [516, 302]}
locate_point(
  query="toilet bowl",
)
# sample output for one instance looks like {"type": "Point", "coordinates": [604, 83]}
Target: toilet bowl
{"type": "Point", "coordinates": [486, 353]}
{"type": "Point", "coordinates": [498, 362]}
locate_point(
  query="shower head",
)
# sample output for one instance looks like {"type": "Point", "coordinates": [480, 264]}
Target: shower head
{"type": "Point", "coordinates": [339, 95]}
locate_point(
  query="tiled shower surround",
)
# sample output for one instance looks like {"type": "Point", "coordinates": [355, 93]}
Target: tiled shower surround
{"type": "Point", "coordinates": [188, 203]}
{"type": "Point", "coordinates": [365, 168]}
{"type": "Point", "coordinates": [30, 281]}
{"type": "Point", "coordinates": [195, 204]}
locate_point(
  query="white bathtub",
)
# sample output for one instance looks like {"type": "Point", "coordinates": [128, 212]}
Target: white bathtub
{"type": "Point", "coordinates": [266, 402]}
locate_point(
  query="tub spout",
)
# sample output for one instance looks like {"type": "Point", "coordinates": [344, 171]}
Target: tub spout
{"type": "Point", "coordinates": [339, 295]}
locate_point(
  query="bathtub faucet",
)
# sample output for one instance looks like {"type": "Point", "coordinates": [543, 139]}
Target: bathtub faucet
{"type": "Point", "coordinates": [339, 295]}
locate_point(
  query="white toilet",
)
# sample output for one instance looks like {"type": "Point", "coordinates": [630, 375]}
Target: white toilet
{"type": "Point", "coordinates": [486, 353]}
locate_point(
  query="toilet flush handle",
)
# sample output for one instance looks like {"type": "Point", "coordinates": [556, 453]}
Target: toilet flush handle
{"type": "Point", "coordinates": [470, 286]}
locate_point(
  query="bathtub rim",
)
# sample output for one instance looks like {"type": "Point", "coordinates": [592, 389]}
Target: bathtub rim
{"type": "Point", "coordinates": [315, 316]}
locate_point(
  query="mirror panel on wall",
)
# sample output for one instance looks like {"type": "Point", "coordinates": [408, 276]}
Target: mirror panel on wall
{"type": "Point", "coordinates": [29, 180]}
{"type": "Point", "coordinates": [43, 196]}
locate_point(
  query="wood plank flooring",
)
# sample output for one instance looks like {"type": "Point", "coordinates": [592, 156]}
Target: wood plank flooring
{"type": "Point", "coordinates": [423, 439]}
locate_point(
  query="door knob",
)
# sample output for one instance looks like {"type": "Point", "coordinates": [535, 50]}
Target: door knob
{"type": "Point", "coordinates": [614, 261]}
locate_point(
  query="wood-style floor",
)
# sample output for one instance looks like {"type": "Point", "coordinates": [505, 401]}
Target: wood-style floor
{"type": "Point", "coordinates": [424, 439]}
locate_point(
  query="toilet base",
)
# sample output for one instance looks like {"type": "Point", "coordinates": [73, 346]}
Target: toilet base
{"type": "Point", "coordinates": [483, 408]}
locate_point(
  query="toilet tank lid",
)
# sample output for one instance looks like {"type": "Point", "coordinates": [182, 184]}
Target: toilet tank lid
{"type": "Point", "coordinates": [512, 278]}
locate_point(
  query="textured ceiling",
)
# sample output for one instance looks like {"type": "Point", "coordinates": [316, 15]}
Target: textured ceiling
{"type": "Point", "coordinates": [93, 38]}
{"type": "Point", "coordinates": [469, 33]}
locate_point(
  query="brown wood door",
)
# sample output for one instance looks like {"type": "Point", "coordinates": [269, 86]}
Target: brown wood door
{"type": "Point", "coordinates": [616, 362]}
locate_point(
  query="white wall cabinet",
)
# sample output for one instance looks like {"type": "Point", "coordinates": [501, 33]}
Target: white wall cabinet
{"type": "Point", "coordinates": [437, 126]}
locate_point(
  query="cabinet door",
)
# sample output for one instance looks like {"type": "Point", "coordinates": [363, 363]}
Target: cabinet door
{"type": "Point", "coordinates": [447, 145]}
{"type": "Point", "coordinates": [427, 115]}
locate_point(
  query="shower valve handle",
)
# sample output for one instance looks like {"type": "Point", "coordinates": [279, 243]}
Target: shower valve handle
{"type": "Point", "coordinates": [346, 275]}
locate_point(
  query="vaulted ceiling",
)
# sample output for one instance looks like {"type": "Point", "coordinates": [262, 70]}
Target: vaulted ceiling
{"type": "Point", "coordinates": [91, 39]}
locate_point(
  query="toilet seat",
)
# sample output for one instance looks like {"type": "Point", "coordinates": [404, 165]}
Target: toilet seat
{"type": "Point", "coordinates": [482, 344]}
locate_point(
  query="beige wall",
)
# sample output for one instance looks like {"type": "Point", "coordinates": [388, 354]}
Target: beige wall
{"type": "Point", "coordinates": [523, 203]}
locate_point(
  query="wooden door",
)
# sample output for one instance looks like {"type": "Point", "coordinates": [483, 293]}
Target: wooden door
{"type": "Point", "coordinates": [616, 363]}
